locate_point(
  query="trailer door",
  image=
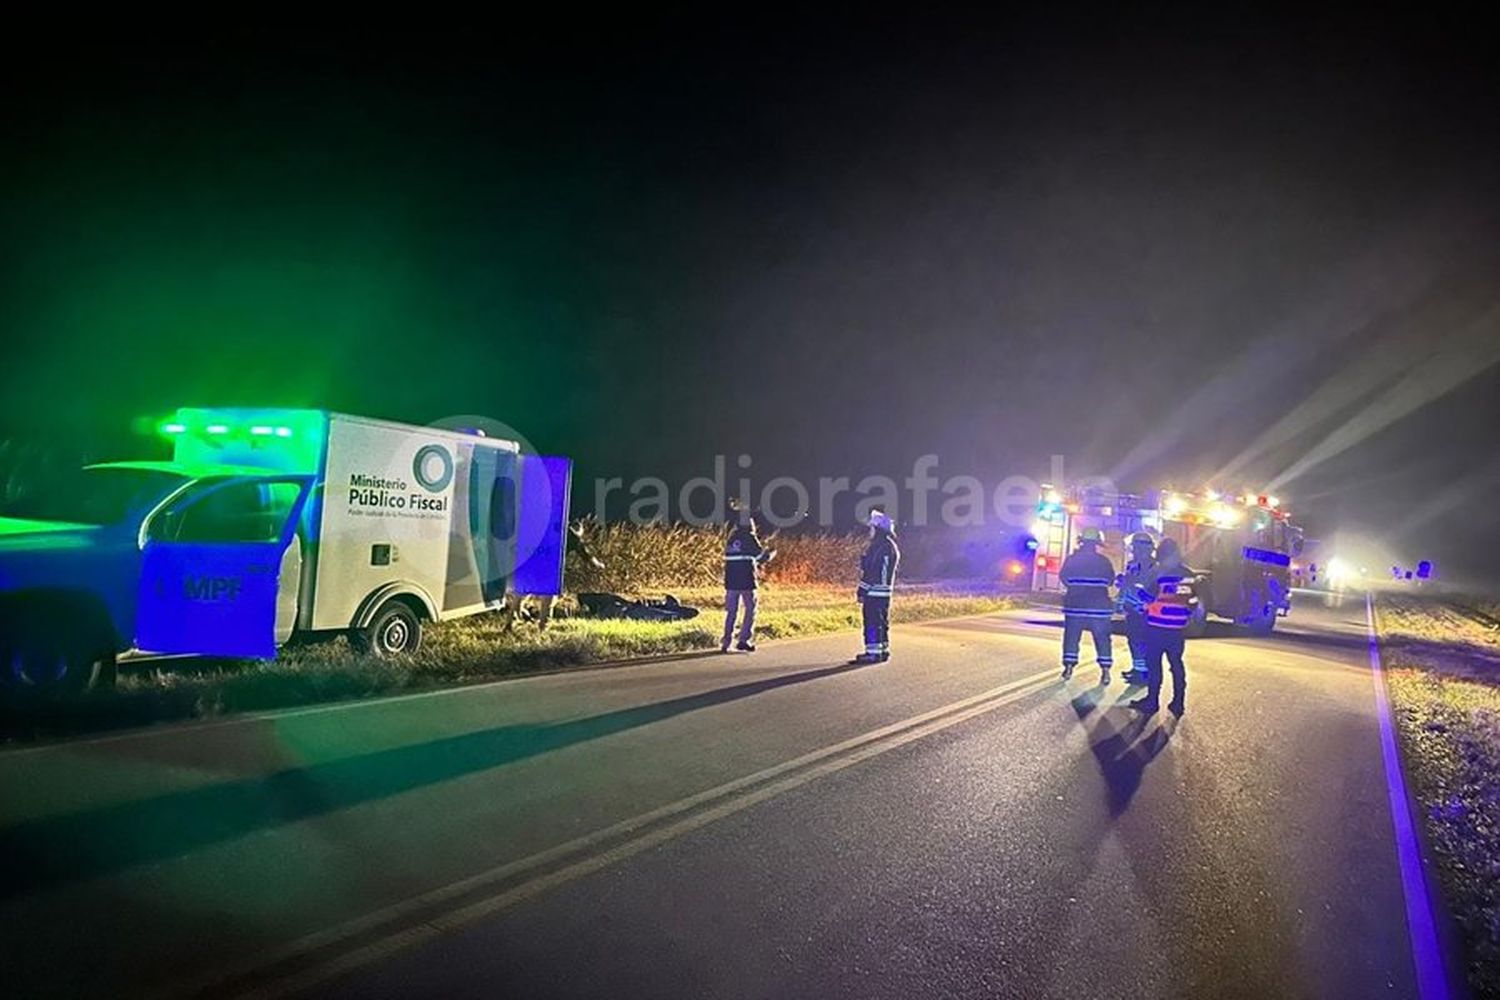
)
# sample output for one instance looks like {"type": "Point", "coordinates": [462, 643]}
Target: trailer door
{"type": "Point", "coordinates": [542, 523]}
{"type": "Point", "coordinates": [211, 565]}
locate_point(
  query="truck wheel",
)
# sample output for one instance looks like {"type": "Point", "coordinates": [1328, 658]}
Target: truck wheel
{"type": "Point", "coordinates": [1263, 625]}
{"type": "Point", "coordinates": [1198, 624]}
{"type": "Point", "coordinates": [395, 630]}
{"type": "Point", "coordinates": [38, 664]}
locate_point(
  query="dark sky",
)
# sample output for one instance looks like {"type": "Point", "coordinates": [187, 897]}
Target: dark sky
{"type": "Point", "coordinates": [1168, 250]}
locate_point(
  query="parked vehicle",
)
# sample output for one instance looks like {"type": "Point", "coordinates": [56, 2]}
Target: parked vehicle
{"type": "Point", "coordinates": [269, 523]}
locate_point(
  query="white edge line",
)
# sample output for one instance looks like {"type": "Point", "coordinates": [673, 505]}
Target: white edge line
{"type": "Point", "coordinates": [1432, 979]}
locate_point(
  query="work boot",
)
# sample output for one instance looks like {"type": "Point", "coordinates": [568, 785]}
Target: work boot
{"type": "Point", "coordinates": [1177, 707]}
{"type": "Point", "coordinates": [1104, 677]}
{"type": "Point", "coordinates": [1134, 677]}
{"type": "Point", "coordinates": [1146, 706]}
{"type": "Point", "coordinates": [746, 647]}
{"type": "Point", "coordinates": [884, 657]}
{"type": "Point", "coordinates": [724, 646]}
{"type": "Point", "coordinates": [1067, 671]}
{"type": "Point", "coordinates": [866, 658]}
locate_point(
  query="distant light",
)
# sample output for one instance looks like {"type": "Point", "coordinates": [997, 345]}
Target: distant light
{"type": "Point", "coordinates": [1211, 493]}
{"type": "Point", "coordinates": [283, 432]}
{"type": "Point", "coordinates": [1032, 544]}
{"type": "Point", "coordinates": [217, 428]}
{"type": "Point", "coordinates": [1014, 568]}
{"type": "Point", "coordinates": [1053, 497]}
{"type": "Point", "coordinates": [1041, 562]}
{"type": "Point", "coordinates": [260, 430]}
{"type": "Point", "coordinates": [1176, 504]}
{"type": "Point", "coordinates": [1225, 516]}
{"type": "Point", "coordinates": [1073, 508]}
{"type": "Point", "coordinates": [1274, 501]}
{"type": "Point", "coordinates": [1337, 570]}
{"type": "Point", "coordinates": [174, 428]}
{"type": "Point", "coordinates": [1107, 511]}
{"type": "Point", "coordinates": [1040, 528]}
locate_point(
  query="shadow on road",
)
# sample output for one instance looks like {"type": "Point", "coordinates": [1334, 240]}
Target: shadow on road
{"type": "Point", "coordinates": [1119, 750]}
{"type": "Point", "coordinates": [96, 842]}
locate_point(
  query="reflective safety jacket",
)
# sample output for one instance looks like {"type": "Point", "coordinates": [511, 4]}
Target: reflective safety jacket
{"type": "Point", "coordinates": [1087, 577]}
{"type": "Point", "coordinates": [1167, 593]}
{"type": "Point", "coordinates": [742, 553]}
{"type": "Point", "coordinates": [1130, 578]}
{"type": "Point", "coordinates": [877, 567]}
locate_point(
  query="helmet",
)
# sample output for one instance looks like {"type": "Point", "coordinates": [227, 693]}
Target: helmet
{"type": "Point", "coordinates": [880, 519]}
{"type": "Point", "coordinates": [1091, 535]}
{"type": "Point", "coordinates": [1141, 538]}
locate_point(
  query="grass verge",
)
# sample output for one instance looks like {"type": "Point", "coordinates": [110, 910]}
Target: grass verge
{"type": "Point", "coordinates": [1443, 673]}
{"type": "Point", "coordinates": [461, 652]}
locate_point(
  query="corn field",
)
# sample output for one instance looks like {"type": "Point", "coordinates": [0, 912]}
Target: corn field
{"type": "Point", "coordinates": [643, 558]}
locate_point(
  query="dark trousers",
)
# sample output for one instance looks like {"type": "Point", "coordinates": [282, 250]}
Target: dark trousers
{"type": "Point", "coordinates": [877, 625]}
{"type": "Point", "coordinates": [1104, 644]}
{"type": "Point", "coordinates": [1168, 642]}
{"type": "Point", "coordinates": [1135, 634]}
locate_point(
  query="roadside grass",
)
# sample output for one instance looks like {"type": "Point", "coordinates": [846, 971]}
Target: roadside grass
{"type": "Point", "coordinates": [1443, 673]}
{"type": "Point", "coordinates": [461, 652]}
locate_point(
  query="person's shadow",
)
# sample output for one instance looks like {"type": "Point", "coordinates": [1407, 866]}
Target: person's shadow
{"type": "Point", "coordinates": [1120, 751]}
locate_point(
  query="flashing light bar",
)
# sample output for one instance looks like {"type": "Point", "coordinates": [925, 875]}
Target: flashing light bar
{"type": "Point", "coordinates": [176, 428]}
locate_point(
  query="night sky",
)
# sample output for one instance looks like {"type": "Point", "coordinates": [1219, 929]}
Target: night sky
{"type": "Point", "coordinates": [1244, 253]}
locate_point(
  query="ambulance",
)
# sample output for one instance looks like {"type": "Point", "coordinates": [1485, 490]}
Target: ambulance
{"type": "Point", "coordinates": [1241, 546]}
{"type": "Point", "coordinates": [267, 524]}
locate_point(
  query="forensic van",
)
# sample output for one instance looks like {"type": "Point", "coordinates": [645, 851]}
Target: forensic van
{"type": "Point", "coordinates": [269, 523]}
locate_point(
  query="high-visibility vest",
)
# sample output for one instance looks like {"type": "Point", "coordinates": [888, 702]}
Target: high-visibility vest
{"type": "Point", "coordinates": [1172, 605]}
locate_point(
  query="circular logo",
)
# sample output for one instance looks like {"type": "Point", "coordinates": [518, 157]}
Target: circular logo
{"type": "Point", "coordinates": [433, 468]}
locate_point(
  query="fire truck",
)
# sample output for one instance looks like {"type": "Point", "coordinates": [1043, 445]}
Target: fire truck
{"type": "Point", "coordinates": [1239, 546]}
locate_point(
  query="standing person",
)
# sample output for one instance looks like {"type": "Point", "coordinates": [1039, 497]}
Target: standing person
{"type": "Point", "coordinates": [1167, 593]}
{"type": "Point", "coordinates": [1141, 563]}
{"type": "Point", "coordinates": [877, 582]}
{"type": "Point", "coordinates": [1087, 575]}
{"type": "Point", "coordinates": [744, 554]}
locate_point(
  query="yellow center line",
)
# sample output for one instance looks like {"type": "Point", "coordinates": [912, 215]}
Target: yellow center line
{"type": "Point", "coordinates": [701, 808]}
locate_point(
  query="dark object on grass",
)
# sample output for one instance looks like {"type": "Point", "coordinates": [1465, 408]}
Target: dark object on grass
{"type": "Point", "coordinates": [650, 609]}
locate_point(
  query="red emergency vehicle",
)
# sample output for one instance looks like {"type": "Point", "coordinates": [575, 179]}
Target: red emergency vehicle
{"type": "Point", "coordinates": [1240, 546]}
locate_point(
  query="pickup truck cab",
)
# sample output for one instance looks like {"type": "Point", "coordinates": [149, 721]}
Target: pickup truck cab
{"type": "Point", "coordinates": [140, 558]}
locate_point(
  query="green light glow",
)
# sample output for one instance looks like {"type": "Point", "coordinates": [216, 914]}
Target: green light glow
{"type": "Point", "coordinates": [283, 440]}
{"type": "Point", "coordinates": [26, 526]}
{"type": "Point", "coordinates": [174, 428]}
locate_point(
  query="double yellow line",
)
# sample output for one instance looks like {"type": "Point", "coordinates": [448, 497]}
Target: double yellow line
{"type": "Point", "coordinates": [320, 957]}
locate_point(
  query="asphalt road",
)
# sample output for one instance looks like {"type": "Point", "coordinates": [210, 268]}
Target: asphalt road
{"type": "Point", "coordinates": [957, 822]}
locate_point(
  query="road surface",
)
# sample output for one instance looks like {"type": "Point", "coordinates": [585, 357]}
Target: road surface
{"type": "Point", "coordinates": [955, 823]}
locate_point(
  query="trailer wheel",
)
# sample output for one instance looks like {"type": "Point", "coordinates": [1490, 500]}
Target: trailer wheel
{"type": "Point", "coordinates": [394, 631]}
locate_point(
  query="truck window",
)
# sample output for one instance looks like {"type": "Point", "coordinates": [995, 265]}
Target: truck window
{"type": "Point", "coordinates": [237, 512]}
{"type": "Point", "coordinates": [105, 495]}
